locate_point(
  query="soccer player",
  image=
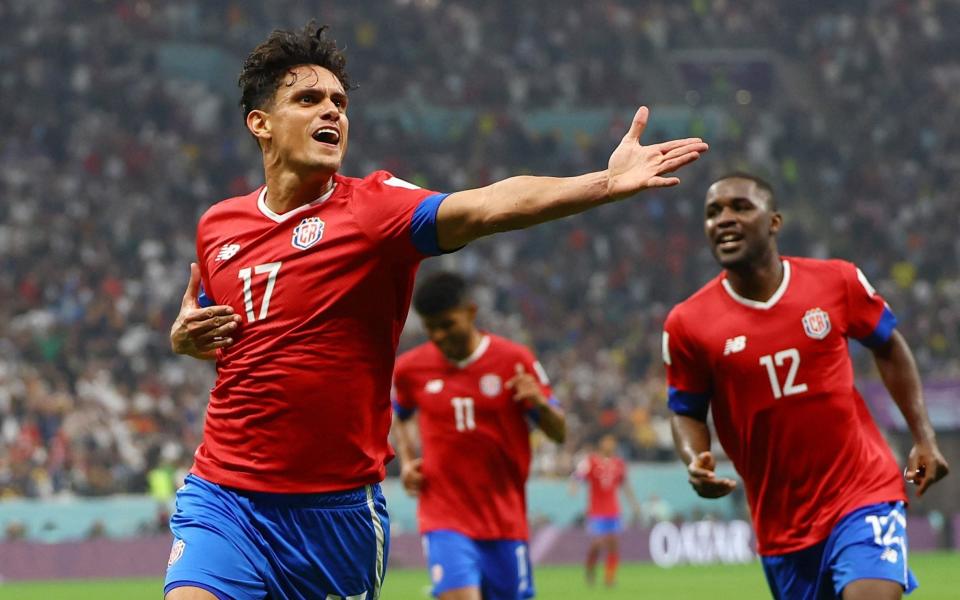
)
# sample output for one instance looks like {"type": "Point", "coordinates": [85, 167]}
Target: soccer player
{"type": "Point", "coordinates": [763, 346]}
{"type": "Point", "coordinates": [300, 295]}
{"type": "Point", "coordinates": [477, 395]}
{"type": "Point", "coordinates": [605, 473]}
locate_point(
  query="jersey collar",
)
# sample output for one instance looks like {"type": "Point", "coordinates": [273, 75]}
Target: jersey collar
{"type": "Point", "coordinates": [262, 205]}
{"type": "Point", "coordinates": [755, 303]}
{"type": "Point", "coordinates": [475, 355]}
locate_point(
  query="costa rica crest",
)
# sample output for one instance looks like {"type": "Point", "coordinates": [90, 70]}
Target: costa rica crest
{"type": "Point", "coordinates": [307, 233]}
{"type": "Point", "coordinates": [816, 323]}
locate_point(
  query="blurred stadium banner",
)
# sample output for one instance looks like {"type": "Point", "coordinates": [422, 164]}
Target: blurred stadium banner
{"type": "Point", "coordinates": [666, 543]}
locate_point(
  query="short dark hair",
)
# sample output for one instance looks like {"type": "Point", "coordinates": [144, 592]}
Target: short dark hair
{"type": "Point", "coordinates": [265, 66]}
{"type": "Point", "coordinates": [440, 292]}
{"type": "Point", "coordinates": [760, 182]}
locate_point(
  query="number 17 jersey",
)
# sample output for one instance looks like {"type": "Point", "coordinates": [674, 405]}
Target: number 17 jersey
{"type": "Point", "coordinates": [778, 379]}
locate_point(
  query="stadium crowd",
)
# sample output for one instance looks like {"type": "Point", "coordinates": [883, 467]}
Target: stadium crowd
{"type": "Point", "coordinates": [111, 155]}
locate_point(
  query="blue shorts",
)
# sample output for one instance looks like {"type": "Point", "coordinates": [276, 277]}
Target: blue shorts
{"type": "Point", "coordinates": [604, 525]}
{"type": "Point", "coordinates": [500, 568]}
{"type": "Point", "coordinates": [241, 545]}
{"type": "Point", "coordinates": [868, 543]}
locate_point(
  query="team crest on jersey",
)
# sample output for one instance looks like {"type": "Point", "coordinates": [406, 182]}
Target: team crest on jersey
{"type": "Point", "coordinates": [227, 252]}
{"type": "Point", "coordinates": [307, 233]}
{"type": "Point", "coordinates": [816, 323]}
{"type": "Point", "coordinates": [491, 385]}
{"type": "Point", "coordinates": [434, 386]}
{"type": "Point", "coordinates": [176, 552]}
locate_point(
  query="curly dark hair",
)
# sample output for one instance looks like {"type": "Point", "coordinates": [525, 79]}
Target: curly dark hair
{"type": "Point", "coordinates": [265, 66]}
{"type": "Point", "coordinates": [440, 292]}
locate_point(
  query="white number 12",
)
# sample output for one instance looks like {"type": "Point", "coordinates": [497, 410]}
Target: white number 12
{"type": "Point", "coordinates": [789, 387]}
{"type": "Point", "coordinates": [246, 274]}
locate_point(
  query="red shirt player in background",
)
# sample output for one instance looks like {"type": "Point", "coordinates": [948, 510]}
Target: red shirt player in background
{"type": "Point", "coordinates": [306, 284]}
{"type": "Point", "coordinates": [605, 474]}
{"type": "Point", "coordinates": [477, 397]}
{"type": "Point", "coordinates": [764, 348]}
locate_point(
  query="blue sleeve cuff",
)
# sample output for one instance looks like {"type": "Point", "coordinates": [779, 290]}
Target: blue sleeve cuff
{"type": "Point", "coordinates": [882, 332]}
{"type": "Point", "coordinates": [423, 225]}
{"type": "Point", "coordinates": [688, 404]}
{"type": "Point", "coordinates": [534, 414]}
{"type": "Point", "coordinates": [203, 299]}
{"type": "Point", "coordinates": [401, 412]}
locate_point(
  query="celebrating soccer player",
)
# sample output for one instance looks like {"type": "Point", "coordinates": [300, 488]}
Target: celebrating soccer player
{"type": "Point", "coordinates": [764, 348]}
{"type": "Point", "coordinates": [605, 474]}
{"type": "Point", "coordinates": [304, 285]}
{"type": "Point", "coordinates": [477, 396]}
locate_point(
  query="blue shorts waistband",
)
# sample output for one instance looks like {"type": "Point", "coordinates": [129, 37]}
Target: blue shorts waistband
{"type": "Point", "coordinates": [339, 499]}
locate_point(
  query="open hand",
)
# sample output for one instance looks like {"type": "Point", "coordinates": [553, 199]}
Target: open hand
{"type": "Point", "coordinates": [634, 167]}
{"type": "Point", "coordinates": [198, 331]}
{"type": "Point", "coordinates": [703, 479]}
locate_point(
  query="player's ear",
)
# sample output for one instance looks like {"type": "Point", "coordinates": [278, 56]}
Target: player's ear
{"type": "Point", "coordinates": [258, 122]}
{"type": "Point", "coordinates": [776, 222]}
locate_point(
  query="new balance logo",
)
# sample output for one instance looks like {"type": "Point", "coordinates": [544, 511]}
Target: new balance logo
{"type": "Point", "coordinates": [227, 252]}
{"type": "Point", "coordinates": [734, 345]}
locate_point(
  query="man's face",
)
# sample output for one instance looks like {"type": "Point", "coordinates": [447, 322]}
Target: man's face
{"type": "Point", "coordinates": [306, 124]}
{"type": "Point", "coordinates": [451, 330]}
{"type": "Point", "coordinates": [608, 445]}
{"type": "Point", "coordinates": [738, 222]}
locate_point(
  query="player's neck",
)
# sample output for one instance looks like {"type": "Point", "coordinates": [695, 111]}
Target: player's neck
{"type": "Point", "coordinates": [758, 281]}
{"type": "Point", "coordinates": [288, 191]}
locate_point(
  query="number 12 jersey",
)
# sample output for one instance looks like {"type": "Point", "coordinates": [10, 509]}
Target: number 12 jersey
{"type": "Point", "coordinates": [778, 379]}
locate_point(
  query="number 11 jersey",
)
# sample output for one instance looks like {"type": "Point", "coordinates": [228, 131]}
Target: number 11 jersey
{"type": "Point", "coordinates": [778, 379]}
{"type": "Point", "coordinates": [475, 438]}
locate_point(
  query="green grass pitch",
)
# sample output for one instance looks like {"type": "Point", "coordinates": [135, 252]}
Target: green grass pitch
{"type": "Point", "coordinates": [937, 573]}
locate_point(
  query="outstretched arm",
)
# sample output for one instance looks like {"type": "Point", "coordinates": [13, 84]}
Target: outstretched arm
{"type": "Point", "coordinates": [520, 202]}
{"type": "Point", "coordinates": [692, 440]}
{"type": "Point", "coordinates": [926, 465]}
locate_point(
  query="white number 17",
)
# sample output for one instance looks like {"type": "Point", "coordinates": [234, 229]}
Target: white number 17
{"type": "Point", "coordinates": [246, 274]}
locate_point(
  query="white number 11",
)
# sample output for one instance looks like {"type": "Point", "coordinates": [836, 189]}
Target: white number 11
{"type": "Point", "coordinates": [246, 274]}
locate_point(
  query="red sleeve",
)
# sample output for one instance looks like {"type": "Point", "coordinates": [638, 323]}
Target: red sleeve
{"type": "Point", "coordinates": [869, 319]}
{"type": "Point", "coordinates": [404, 400]}
{"type": "Point", "coordinates": [398, 215]}
{"type": "Point", "coordinates": [688, 373]}
{"type": "Point", "coordinates": [532, 365]}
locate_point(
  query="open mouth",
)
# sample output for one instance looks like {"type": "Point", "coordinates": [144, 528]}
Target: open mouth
{"type": "Point", "coordinates": [729, 242]}
{"type": "Point", "coordinates": [327, 135]}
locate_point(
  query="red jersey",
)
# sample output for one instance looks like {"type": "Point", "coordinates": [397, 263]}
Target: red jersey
{"type": "Point", "coordinates": [604, 476]}
{"type": "Point", "coordinates": [475, 438]}
{"type": "Point", "coordinates": [302, 398]}
{"type": "Point", "coordinates": [779, 382]}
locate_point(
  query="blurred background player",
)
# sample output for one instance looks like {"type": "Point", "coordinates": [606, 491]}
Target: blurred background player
{"type": "Point", "coordinates": [764, 347]}
{"type": "Point", "coordinates": [318, 268]}
{"type": "Point", "coordinates": [477, 397]}
{"type": "Point", "coordinates": [605, 474]}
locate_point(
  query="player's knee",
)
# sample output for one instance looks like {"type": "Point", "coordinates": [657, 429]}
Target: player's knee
{"type": "Point", "coordinates": [873, 589]}
{"type": "Point", "coordinates": [464, 593]}
{"type": "Point", "coordinates": [189, 593]}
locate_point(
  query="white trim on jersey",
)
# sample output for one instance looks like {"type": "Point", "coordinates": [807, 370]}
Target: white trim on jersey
{"type": "Point", "coordinates": [757, 304]}
{"type": "Point", "coordinates": [262, 205]}
{"type": "Point", "coordinates": [476, 355]}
